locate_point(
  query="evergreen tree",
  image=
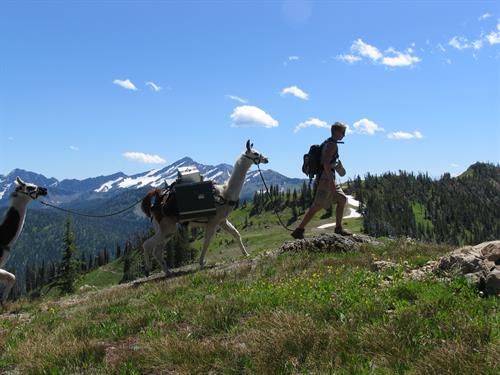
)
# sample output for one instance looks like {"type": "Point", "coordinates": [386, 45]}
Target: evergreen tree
{"type": "Point", "coordinates": [69, 265]}
{"type": "Point", "coordinates": [127, 263]}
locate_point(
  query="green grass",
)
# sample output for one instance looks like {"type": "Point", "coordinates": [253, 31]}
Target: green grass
{"type": "Point", "coordinates": [419, 213]}
{"type": "Point", "coordinates": [297, 313]}
{"type": "Point", "coordinates": [109, 274]}
{"type": "Point", "coordinates": [307, 313]}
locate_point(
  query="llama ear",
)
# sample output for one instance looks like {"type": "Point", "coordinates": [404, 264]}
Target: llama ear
{"type": "Point", "coordinates": [19, 182]}
{"type": "Point", "coordinates": [248, 145]}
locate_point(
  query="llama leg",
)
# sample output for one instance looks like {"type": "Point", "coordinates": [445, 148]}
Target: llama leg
{"type": "Point", "coordinates": [167, 228]}
{"type": "Point", "coordinates": [148, 247]}
{"type": "Point", "coordinates": [9, 280]}
{"type": "Point", "coordinates": [209, 233]}
{"type": "Point", "coordinates": [159, 255]}
{"type": "Point", "coordinates": [228, 227]}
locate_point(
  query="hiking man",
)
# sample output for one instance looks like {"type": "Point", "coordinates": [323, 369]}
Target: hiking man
{"type": "Point", "coordinates": [327, 191]}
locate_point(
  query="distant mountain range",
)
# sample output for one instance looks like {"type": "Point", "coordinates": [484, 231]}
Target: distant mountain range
{"type": "Point", "coordinates": [72, 192]}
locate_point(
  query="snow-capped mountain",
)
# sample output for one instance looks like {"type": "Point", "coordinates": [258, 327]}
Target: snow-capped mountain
{"type": "Point", "coordinates": [72, 191]}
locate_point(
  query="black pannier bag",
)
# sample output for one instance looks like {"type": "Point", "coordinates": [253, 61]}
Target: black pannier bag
{"type": "Point", "coordinates": [194, 200]}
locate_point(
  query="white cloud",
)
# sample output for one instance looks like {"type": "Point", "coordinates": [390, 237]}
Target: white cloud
{"type": "Point", "coordinates": [154, 86]}
{"type": "Point", "coordinates": [295, 91]}
{"type": "Point", "coordinates": [477, 44]}
{"type": "Point", "coordinates": [454, 165]}
{"type": "Point", "coordinates": [351, 59]}
{"type": "Point", "coordinates": [126, 84]}
{"type": "Point", "coordinates": [251, 116]}
{"type": "Point", "coordinates": [74, 148]}
{"type": "Point", "coordinates": [365, 126]}
{"type": "Point", "coordinates": [461, 43]}
{"type": "Point", "coordinates": [289, 59]}
{"type": "Point", "coordinates": [391, 57]}
{"type": "Point", "coordinates": [10, 138]}
{"type": "Point", "coordinates": [311, 122]}
{"type": "Point", "coordinates": [366, 50]}
{"type": "Point", "coordinates": [441, 48]}
{"type": "Point", "coordinates": [237, 98]}
{"type": "Point", "coordinates": [144, 158]}
{"type": "Point", "coordinates": [484, 16]}
{"type": "Point", "coordinates": [400, 59]}
{"type": "Point", "coordinates": [404, 135]}
{"type": "Point", "coordinates": [494, 37]}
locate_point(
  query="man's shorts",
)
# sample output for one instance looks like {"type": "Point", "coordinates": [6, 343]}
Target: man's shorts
{"type": "Point", "coordinates": [325, 197]}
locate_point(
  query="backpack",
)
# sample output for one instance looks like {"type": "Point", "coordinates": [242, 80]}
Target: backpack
{"type": "Point", "coordinates": [312, 164]}
{"type": "Point", "coordinates": [312, 161]}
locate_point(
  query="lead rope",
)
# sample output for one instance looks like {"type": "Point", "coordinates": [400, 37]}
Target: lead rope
{"type": "Point", "coordinates": [274, 205]}
{"type": "Point", "coordinates": [88, 215]}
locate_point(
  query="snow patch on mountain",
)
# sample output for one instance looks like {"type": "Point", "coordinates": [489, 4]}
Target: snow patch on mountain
{"type": "Point", "coordinates": [107, 186]}
{"type": "Point", "coordinates": [4, 190]}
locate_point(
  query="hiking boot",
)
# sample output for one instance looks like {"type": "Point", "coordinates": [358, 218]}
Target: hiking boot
{"type": "Point", "coordinates": [298, 233]}
{"type": "Point", "coordinates": [342, 232]}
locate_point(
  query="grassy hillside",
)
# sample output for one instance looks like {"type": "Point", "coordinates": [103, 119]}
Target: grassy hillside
{"type": "Point", "coordinates": [296, 313]}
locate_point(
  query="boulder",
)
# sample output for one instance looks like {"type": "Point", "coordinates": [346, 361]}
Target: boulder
{"type": "Point", "coordinates": [479, 264]}
{"type": "Point", "coordinates": [492, 284]}
{"type": "Point", "coordinates": [326, 243]}
{"type": "Point", "coordinates": [491, 251]}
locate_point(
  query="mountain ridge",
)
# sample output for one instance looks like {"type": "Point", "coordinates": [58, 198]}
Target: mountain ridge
{"type": "Point", "coordinates": [73, 191]}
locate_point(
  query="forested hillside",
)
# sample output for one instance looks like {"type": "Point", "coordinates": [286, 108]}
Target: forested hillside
{"type": "Point", "coordinates": [40, 245]}
{"type": "Point", "coordinates": [456, 210]}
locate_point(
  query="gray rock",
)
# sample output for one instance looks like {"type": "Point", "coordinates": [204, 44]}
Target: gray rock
{"type": "Point", "coordinates": [479, 264]}
{"type": "Point", "coordinates": [327, 243]}
{"type": "Point", "coordinates": [476, 279]}
{"type": "Point", "coordinates": [466, 260]}
{"type": "Point", "coordinates": [491, 251]}
{"type": "Point", "coordinates": [492, 285]}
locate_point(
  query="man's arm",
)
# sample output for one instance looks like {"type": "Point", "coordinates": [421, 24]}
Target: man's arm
{"type": "Point", "coordinates": [331, 149]}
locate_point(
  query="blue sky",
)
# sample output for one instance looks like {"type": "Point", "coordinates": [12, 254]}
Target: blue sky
{"type": "Point", "coordinates": [417, 83]}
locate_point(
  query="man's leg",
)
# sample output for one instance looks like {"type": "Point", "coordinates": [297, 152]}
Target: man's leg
{"type": "Point", "coordinates": [309, 215]}
{"type": "Point", "coordinates": [298, 233]}
{"type": "Point", "coordinates": [339, 213]}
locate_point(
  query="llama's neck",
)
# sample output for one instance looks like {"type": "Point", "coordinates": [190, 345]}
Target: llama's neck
{"type": "Point", "coordinates": [14, 220]}
{"type": "Point", "coordinates": [237, 179]}
{"type": "Point", "coordinates": [20, 203]}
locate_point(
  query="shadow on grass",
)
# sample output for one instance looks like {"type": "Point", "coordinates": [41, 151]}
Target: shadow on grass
{"type": "Point", "coordinates": [171, 275]}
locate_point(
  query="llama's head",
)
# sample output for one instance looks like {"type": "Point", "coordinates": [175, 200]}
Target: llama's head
{"type": "Point", "coordinates": [254, 155]}
{"type": "Point", "coordinates": [30, 190]}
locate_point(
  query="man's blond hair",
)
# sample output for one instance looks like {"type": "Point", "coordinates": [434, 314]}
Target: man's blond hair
{"type": "Point", "coordinates": [339, 126]}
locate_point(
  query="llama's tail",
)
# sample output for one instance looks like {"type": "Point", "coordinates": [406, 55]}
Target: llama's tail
{"type": "Point", "coordinates": [146, 205]}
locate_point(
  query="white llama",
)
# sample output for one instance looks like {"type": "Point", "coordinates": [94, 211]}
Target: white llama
{"type": "Point", "coordinates": [166, 226]}
{"type": "Point", "coordinates": [11, 227]}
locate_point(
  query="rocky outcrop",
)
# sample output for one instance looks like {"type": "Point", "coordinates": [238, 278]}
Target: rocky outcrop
{"type": "Point", "coordinates": [480, 264]}
{"type": "Point", "coordinates": [331, 242]}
